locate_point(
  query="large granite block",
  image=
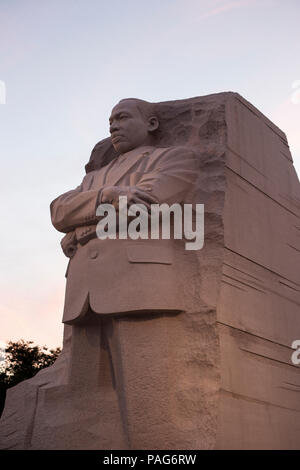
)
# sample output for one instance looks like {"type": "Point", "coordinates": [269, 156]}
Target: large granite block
{"type": "Point", "coordinates": [224, 366]}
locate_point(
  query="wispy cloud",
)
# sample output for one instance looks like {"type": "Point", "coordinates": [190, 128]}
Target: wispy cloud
{"type": "Point", "coordinates": [295, 97]}
{"type": "Point", "coordinates": [226, 7]}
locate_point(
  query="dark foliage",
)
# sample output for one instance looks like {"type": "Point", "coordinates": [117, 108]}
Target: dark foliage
{"type": "Point", "coordinates": [22, 361]}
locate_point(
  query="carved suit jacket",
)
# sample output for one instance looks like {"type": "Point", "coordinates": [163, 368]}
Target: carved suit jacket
{"type": "Point", "coordinates": [117, 276]}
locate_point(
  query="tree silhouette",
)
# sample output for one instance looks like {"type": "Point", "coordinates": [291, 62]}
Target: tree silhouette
{"type": "Point", "coordinates": [22, 361]}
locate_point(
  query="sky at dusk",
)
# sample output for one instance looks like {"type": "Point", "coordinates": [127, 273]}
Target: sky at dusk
{"type": "Point", "coordinates": [65, 63]}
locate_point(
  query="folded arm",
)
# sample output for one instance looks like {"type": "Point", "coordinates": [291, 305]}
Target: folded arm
{"type": "Point", "coordinates": [167, 180]}
{"type": "Point", "coordinates": [169, 177]}
{"type": "Point", "coordinates": [75, 208]}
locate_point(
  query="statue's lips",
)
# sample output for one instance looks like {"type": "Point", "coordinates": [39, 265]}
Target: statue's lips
{"type": "Point", "coordinates": [116, 138]}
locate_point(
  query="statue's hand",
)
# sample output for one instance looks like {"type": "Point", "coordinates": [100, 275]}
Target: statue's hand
{"type": "Point", "coordinates": [69, 244]}
{"type": "Point", "coordinates": [111, 194]}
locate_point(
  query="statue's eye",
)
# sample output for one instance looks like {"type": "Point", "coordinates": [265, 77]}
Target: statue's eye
{"type": "Point", "coordinates": [123, 116]}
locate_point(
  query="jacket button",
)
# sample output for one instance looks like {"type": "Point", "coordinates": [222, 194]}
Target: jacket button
{"type": "Point", "coordinates": [93, 254]}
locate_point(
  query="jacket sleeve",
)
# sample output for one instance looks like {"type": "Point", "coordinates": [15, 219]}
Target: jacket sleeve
{"type": "Point", "coordinates": [69, 244]}
{"type": "Point", "coordinates": [168, 178]}
{"type": "Point", "coordinates": [171, 175]}
{"type": "Point", "coordinates": [74, 208]}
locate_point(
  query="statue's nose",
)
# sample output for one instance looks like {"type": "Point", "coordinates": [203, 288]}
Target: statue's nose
{"type": "Point", "coordinates": [113, 127]}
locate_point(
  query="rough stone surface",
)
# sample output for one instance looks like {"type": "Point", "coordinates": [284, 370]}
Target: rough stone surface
{"type": "Point", "coordinates": [258, 304]}
{"type": "Point", "coordinates": [223, 371]}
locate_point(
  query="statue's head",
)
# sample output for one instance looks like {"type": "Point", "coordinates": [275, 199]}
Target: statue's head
{"type": "Point", "coordinates": [132, 123]}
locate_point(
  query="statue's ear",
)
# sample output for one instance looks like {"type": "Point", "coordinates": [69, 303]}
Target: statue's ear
{"type": "Point", "coordinates": [153, 123]}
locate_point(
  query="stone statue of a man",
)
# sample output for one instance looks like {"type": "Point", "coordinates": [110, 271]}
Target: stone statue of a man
{"type": "Point", "coordinates": [122, 295]}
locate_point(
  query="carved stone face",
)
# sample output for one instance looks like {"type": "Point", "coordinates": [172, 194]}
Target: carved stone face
{"type": "Point", "coordinates": [129, 129]}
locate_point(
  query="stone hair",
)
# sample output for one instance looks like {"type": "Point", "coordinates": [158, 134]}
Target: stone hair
{"type": "Point", "coordinates": [146, 108]}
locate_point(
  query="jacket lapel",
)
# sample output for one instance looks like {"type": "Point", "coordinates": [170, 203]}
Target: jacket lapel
{"type": "Point", "coordinates": [129, 160]}
{"type": "Point", "coordinates": [100, 177]}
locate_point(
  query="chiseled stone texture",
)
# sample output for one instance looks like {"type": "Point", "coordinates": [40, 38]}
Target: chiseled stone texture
{"type": "Point", "coordinates": [226, 362]}
{"type": "Point", "coordinates": [258, 306]}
